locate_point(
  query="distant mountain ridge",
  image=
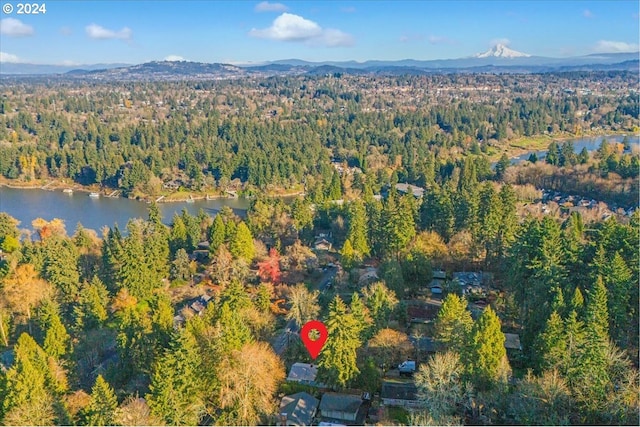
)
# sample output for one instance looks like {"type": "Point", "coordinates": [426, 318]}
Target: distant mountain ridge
{"type": "Point", "coordinates": [499, 58]}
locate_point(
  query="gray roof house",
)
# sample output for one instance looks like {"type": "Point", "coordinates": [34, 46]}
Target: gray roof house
{"type": "Point", "coordinates": [339, 406]}
{"type": "Point", "coordinates": [298, 409]}
{"type": "Point", "coordinates": [512, 342]}
{"type": "Point", "coordinates": [408, 188]}
{"type": "Point", "coordinates": [303, 373]}
{"type": "Point", "coordinates": [399, 393]}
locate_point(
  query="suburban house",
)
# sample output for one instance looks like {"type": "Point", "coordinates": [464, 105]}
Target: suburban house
{"type": "Point", "coordinates": [303, 373]}
{"type": "Point", "coordinates": [399, 393]}
{"type": "Point", "coordinates": [437, 283]}
{"type": "Point", "coordinates": [470, 282]}
{"type": "Point", "coordinates": [512, 342]}
{"type": "Point", "coordinates": [322, 244]}
{"type": "Point", "coordinates": [298, 409]}
{"type": "Point", "coordinates": [341, 407]}
{"type": "Point", "coordinates": [367, 275]}
{"type": "Point", "coordinates": [410, 189]}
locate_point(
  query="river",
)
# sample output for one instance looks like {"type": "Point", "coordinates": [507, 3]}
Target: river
{"type": "Point", "coordinates": [28, 204]}
{"type": "Point", "coordinates": [590, 143]}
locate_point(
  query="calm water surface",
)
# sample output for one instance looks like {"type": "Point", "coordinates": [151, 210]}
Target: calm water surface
{"type": "Point", "coordinates": [29, 204]}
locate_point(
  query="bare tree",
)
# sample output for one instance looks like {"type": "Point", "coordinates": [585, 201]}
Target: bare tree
{"type": "Point", "coordinates": [304, 304]}
{"type": "Point", "coordinates": [249, 379]}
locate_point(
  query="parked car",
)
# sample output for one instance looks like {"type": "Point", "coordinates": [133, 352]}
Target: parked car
{"type": "Point", "coordinates": [408, 367]}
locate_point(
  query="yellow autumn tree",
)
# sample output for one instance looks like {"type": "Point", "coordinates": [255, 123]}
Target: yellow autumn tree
{"type": "Point", "coordinates": [24, 290]}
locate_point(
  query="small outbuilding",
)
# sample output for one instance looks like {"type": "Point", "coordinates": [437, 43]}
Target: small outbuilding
{"type": "Point", "coordinates": [399, 393]}
{"type": "Point", "coordinates": [339, 406]}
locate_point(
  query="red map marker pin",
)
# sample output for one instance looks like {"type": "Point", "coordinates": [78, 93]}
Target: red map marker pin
{"type": "Point", "coordinates": [314, 347]}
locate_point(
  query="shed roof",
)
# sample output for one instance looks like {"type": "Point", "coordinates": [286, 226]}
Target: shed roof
{"type": "Point", "coordinates": [399, 390]}
{"type": "Point", "coordinates": [347, 403]}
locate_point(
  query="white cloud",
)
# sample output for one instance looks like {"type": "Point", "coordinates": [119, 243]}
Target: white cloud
{"type": "Point", "coordinates": [15, 28]}
{"type": "Point", "coordinates": [265, 6]}
{"type": "Point", "coordinates": [290, 27]}
{"type": "Point", "coordinates": [609, 46]}
{"type": "Point", "coordinates": [588, 14]}
{"type": "Point", "coordinates": [9, 58]}
{"type": "Point", "coordinates": [66, 31]}
{"type": "Point", "coordinates": [100, 33]}
{"type": "Point", "coordinates": [174, 58]}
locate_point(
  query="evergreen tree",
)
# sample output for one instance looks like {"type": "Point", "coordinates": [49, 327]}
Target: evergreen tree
{"type": "Point", "coordinates": [553, 154]}
{"type": "Point", "coordinates": [552, 345]}
{"type": "Point", "coordinates": [91, 309]}
{"type": "Point", "coordinates": [242, 244]}
{"type": "Point", "coordinates": [349, 256]}
{"type": "Point", "coordinates": [103, 404]}
{"type": "Point", "coordinates": [338, 359]}
{"type": "Point", "coordinates": [175, 391]}
{"type": "Point", "coordinates": [361, 315]}
{"type": "Point", "coordinates": [216, 234]}
{"type": "Point", "coordinates": [489, 221]}
{"type": "Point", "coordinates": [155, 216]}
{"type": "Point", "coordinates": [134, 273]}
{"type": "Point", "coordinates": [453, 324]}
{"type": "Point", "coordinates": [502, 165]}
{"type": "Point", "coordinates": [574, 339]}
{"type": "Point", "coordinates": [334, 191]}
{"type": "Point", "coordinates": [590, 378]}
{"type": "Point", "coordinates": [28, 400]}
{"type": "Point", "coordinates": [437, 213]}
{"type": "Point", "coordinates": [485, 361]}
{"type": "Point", "coordinates": [112, 254]}
{"type": "Point", "coordinates": [156, 238]}
{"type": "Point", "coordinates": [57, 340]}
{"type": "Point", "coordinates": [233, 329]}
{"type": "Point", "coordinates": [61, 267]}
{"type": "Point", "coordinates": [508, 220]}
{"type": "Point", "coordinates": [263, 298]}
{"type": "Point", "coordinates": [618, 280]}
{"type": "Point", "coordinates": [577, 301]}
{"type": "Point", "coordinates": [381, 302]}
{"type": "Point", "coordinates": [357, 234]}
{"type": "Point", "coordinates": [398, 225]}
{"type": "Point", "coordinates": [178, 235]}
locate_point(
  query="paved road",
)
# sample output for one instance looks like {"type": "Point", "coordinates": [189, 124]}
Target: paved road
{"type": "Point", "coordinates": [280, 342]}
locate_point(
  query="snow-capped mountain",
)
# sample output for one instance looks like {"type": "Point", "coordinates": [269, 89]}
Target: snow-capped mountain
{"type": "Point", "coordinates": [501, 51]}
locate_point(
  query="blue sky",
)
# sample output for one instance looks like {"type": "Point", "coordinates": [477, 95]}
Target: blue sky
{"type": "Point", "coordinates": [135, 31]}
